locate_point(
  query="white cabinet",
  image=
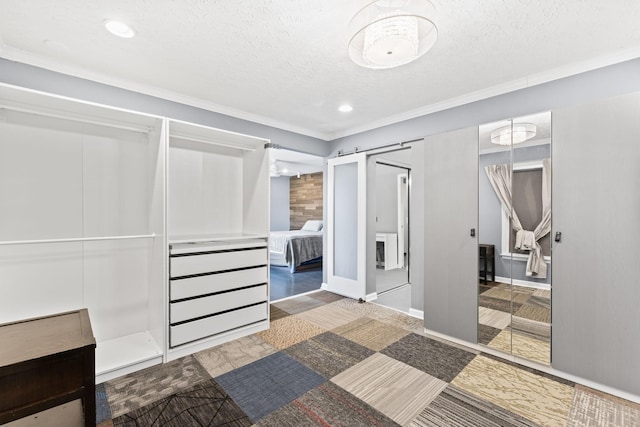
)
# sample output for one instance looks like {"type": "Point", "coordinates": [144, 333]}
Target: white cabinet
{"type": "Point", "coordinates": [82, 221]}
{"type": "Point", "coordinates": [92, 197]}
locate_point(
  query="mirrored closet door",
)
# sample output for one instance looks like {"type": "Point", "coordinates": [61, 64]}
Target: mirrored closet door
{"type": "Point", "coordinates": [514, 292]}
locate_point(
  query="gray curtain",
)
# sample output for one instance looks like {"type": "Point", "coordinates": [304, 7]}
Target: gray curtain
{"type": "Point", "coordinates": [500, 179]}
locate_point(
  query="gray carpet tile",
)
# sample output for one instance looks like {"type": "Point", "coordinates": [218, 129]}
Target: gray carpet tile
{"type": "Point", "coordinates": [486, 333]}
{"type": "Point", "coordinates": [530, 370]}
{"type": "Point", "coordinates": [103, 411]}
{"type": "Point", "coordinates": [498, 304]}
{"type": "Point", "coordinates": [148, 385]}
{"type": "Point", "coordinates": [433, 357]}
{"type": "Point", "coordinates": [268, 384]}
{"type": "Point", "coordinates": [329, 354]}
{"type": "Point", "coordinates": [326, 405]}
{"type": "Point", "coordinates": [206, 404]}
{"type": "Point", "coordinates": [276, 313]}
{"type": "Point", "coordinates": [298, 305]}
{"type": "Point", "coordinates": [456, 408]}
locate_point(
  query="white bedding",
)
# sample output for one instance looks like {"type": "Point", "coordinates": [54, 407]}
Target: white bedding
{"type": "Point", "coordinates": [281, 249]}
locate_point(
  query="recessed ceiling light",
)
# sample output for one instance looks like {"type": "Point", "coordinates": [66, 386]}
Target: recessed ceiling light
{"type": "Point", "coordinates": [345, 108]}
{"type": "Point", "coordinates": [119, 29]}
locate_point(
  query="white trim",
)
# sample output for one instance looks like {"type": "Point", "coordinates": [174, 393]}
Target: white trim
{"type": "Point", "coordinates": [523, 283]}
{"type": "Point", "coordinates": [507, 256]}
{"type": "Point", "coordinates": [419, 314]}
{"type": "Point", "coordinates": [371, 297]}
{"type": "Point", "coordinates": [623, 55]}
{"type": "Point", "coordinates": [543, 368]}
{"type": "Point", "coordinates": [294, 296]}
{"type": "Point", "coordinates": [78, 239]}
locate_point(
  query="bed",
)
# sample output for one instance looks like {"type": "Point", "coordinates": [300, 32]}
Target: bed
{"type": "Point", "coordinates": [296, 247]}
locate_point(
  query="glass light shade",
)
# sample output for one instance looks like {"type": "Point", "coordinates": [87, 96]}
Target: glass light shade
{"type": "Point", "coordinates": [513, 134]}
{"type": "Point", "coordinates": [390, 33]}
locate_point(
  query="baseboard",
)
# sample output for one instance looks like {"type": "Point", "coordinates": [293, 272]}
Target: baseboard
{"type": "Point", "coordinates": [416, 313]}
{"type": "Point", "coordinates": [547, 369]}
{"type": "Point", "coordinates": [324, 287]}
{"type": "Point", "coordinates": [371, 297]}
{"type": "Point", "coordinates": [523, 283]}
{"type": "Point", "coordinates": [296, 296]}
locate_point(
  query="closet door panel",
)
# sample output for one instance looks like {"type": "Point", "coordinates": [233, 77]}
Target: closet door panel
{"type": "Point", "coordinates": [451, 254]}
{"type": "Point", "coordinates": [596, 205]}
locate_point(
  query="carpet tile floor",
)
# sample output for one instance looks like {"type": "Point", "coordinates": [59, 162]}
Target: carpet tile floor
{"type": "Point", "coordinates": [370, 367]}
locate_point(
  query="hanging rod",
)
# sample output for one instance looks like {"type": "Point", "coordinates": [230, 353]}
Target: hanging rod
{"type": "Point", "coordinates": [78, 239]}
{"type": "Point", "coordinates": [395, 144]}
{"type": "Point", "coordinates": [280, 147]}
{"type": "Point", "coordinates": [79, 119]}
{"type": "Point", "coordinates": [213, 142]}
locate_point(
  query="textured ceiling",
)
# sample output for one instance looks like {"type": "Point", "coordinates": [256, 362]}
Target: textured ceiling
{"type": "Point", "coordinates": [285, 62]}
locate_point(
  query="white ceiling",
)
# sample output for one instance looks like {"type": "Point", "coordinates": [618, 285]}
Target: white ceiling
{"type": "Point", "coordinates": [285, 63]}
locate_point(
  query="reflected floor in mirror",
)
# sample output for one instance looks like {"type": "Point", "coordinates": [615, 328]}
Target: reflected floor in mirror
{"type": "Point", "coordinates": [526, 333]}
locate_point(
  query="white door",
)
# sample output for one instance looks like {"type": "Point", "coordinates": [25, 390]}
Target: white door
{"type": "Point", "coordinates": [346, 226]}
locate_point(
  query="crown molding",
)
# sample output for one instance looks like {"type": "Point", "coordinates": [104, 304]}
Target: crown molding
{"type": "Point", "coordinates": [501, 89]}
{"type": "Point", "coordinates": [40, 61]}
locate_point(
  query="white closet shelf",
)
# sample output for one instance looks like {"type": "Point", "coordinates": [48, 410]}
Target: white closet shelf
{"type": "Point", "coordinates": [78, 239]}
{"type": "Point", "coordinates": [198, 238]}
{"type": "Point", "coordinates": [213, 142]}
{"type": "Point", "coordinates": [126, 354]}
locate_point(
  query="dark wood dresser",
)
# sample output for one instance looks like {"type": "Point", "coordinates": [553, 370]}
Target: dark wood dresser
{"type": "Point", "coordinates": [46, 362]}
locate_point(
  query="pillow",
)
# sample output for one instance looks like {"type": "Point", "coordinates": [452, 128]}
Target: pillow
{"type": "Point", "coordinates": [312, 226]}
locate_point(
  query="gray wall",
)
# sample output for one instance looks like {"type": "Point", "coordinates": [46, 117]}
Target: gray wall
{"type": "Point", "coordinates": [280, 215]}
{"type": "Point", "coordinates": [608, 81]}
{"type": "Point", "coordinates": [490, 211]}
{"type": "Point", "coordinates": [386, 187]}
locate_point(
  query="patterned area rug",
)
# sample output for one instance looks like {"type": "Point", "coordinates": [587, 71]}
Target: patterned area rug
{"type": "Point", "coordinates": [371, 366]}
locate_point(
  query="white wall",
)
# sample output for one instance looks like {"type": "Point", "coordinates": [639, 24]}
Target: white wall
{"type": "Point", "coordinates": [280, 215]}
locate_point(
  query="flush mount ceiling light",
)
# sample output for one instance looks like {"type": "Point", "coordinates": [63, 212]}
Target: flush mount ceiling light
{"type": "Point", "coordinates": [513, 134]}
{"type": "Point", "coordinates": [119, 29]}
{"type": "Point", "coordinates": [390, 33]}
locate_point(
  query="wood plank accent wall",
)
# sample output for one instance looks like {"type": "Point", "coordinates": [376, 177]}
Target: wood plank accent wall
{"type": "Point", "coordinates": [305, 199]}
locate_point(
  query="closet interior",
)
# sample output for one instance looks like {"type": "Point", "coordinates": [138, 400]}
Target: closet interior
{"type": "Point", "coordinates": [84, 215]}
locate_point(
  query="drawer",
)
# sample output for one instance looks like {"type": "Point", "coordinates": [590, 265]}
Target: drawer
{"type": "Point", "coordinates": [217, 261]}
{"type": "Point", "coordinates": [203, 328]}
{"type": "Point", "coordinates": [209, 284]}
{"type": "Point", "coordinates": [198, 307]}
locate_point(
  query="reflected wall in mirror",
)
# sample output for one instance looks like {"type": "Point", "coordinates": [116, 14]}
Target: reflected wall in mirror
{"type": "Point", "coordinates": [392, 220]}
{"type": "Point", "coordinates": [514, 293]}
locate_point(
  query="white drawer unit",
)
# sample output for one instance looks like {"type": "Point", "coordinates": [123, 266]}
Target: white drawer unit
{"type": "Point", "coordinates": [197, 329]}
{"type": "Point", "coordinates": [198, 307]}
{"type": "Point", "coordinates": [216, 287]}
{"type": "Point", "coordinates": [218, 282]}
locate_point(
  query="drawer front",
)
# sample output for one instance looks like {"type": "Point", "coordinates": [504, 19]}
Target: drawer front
{"type": "Point", "coordinates": [202, 285]}
{"type": "Point", "coordinates": [191, 309]}
{"type": "Point", "coordinates": [207, 263]}
{"type": "Point", "coordinates": [203, 328]}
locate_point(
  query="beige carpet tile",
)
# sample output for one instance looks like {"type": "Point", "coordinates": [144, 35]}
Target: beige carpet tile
{"type": "Point", "coordinates": [404, 321]}
{"type": "Point", "coordinates": [325, 296]}
{"type": "Point", "coordinates": [494, 318]}
{"type": "Point", "coordinates": [368, 309]}
{"type": "Point", "coordinates": [534, 312]}
{"type": "Point", "coordinates": [522, 346]}
{"type": "Point", "coordinates": [371, 333]}
{"type": "Point", "coordinates": [141, 388]}
{"type": "Point", "coordinates": [298, 305]}
{"type": "Point", "coordinates": [234, 354]}
{"type": "Point", "coordinates": [392, 387]}
{"type": "Point", "coordinates": [592, 408]}
{"type": "Point", "coordinates": [543, 293]}
{"type": "Point", "coordinates": [288, 331]}
{"type": "Point", "coordinates": [532, 396]}
{"type": "Point", "coordinates": [328, 316]}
